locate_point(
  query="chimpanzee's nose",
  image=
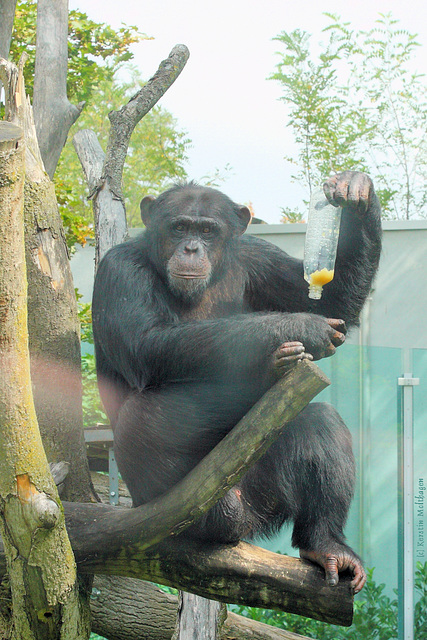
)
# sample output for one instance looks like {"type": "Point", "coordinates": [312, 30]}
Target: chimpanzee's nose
{"type": "Point", "coordinates": [191, 247]}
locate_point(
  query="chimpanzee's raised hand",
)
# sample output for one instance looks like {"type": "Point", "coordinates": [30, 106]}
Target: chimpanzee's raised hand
{"type": "Point", "coordinates": [350, 189]}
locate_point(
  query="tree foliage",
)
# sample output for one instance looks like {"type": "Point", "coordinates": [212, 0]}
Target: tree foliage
{"type": "Point", "coordinates": [359, 105]}
{"type": "Point", "coordinates": [96, 55]}
{"type": "Point", "coordinates": [95, 50]}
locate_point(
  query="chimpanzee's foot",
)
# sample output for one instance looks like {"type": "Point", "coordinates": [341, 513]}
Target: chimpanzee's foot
{"type": "Point", "coordinates": [341, 559]}
{"type": "Point", "coordinates": [287, 355]}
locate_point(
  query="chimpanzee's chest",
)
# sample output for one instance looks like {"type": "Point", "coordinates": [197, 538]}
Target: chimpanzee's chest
{"type": "Point", "coordinates": [223, 299]}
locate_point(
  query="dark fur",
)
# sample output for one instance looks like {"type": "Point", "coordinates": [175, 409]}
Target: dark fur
{"type": "Point", "coordinates": [180, 364]}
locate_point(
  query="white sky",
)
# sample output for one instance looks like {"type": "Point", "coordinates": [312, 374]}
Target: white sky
{"type": "Point", "coordinates": [222, 98]}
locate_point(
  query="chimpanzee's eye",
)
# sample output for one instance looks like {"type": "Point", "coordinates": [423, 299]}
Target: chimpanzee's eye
{"type": "Point", "coordinates": [207, 229]}
{"type": "Point", "coordinates": [179, 226]}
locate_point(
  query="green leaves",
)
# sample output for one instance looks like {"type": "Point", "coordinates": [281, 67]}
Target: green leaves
{"type": "Point", "coordinates": [359, 105]}
{"type": "Point", "coordinates": [95, 50]}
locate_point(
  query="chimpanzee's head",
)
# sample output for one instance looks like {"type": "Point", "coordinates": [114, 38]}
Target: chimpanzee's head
{"type": "Point", "coordinates": [191, 231]}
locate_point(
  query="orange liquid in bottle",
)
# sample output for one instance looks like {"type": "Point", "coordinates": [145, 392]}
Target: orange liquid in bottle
{"type": "Point", "coordinates": [321, 277]}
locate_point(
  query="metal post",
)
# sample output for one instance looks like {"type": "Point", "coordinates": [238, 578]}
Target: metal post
{"type": "Point", "coordinates": [406, 501]}
{"type": "Point", "coordinates": [113, 475]}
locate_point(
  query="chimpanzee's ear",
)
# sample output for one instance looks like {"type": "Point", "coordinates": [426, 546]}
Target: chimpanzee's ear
{"type": "Point", "coordinates": [145, 207]}
{"type": "Point", "coordinates": [244, 217]}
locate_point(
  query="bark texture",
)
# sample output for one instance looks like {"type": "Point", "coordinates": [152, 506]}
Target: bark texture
{"type": "Point", "coordinates": [198, 618]}
{"type": "Point", "coordinates": [53, 322]}
{"type": "Point", "coordinates": [40, 561]}
{"type": "Point", "coordinates": [53, 113]}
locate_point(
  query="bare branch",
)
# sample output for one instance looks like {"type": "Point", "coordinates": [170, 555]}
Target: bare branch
{"type": "Point", "coordinates": [109, 212]}
{"type": "Point", "coordinates": [125, 120]}
{"type": "Point", "coordinates": [105, 186]}
{"type": "Point", "coordinates": [240, 574]}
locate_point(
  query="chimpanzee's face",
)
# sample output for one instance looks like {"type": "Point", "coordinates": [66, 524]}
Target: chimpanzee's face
{"type": "Point", "coordinates": [194, 228]}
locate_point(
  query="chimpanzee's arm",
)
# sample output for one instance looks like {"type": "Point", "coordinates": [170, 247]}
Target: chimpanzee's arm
{"type": "Point", "coordinates": [139, 340]}
{"type": "Point", "coordinates": [276, 281]}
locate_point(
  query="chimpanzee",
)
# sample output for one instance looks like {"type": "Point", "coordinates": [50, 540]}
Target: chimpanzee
{"type": "Point", "coordinates": [193, 322]}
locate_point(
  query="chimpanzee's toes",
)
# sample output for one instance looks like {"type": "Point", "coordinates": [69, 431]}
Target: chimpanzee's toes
{"type": "Point", "coordinates": [334, 563]}
{"type": "Point", "coordinates": [288, 354]}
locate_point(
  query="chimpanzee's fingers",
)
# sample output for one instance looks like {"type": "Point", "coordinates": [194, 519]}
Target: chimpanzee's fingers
{"type": "Point", "coordinates": [351, 188]}
{"type": "Point", "coordinates": [359, 192]}
{"type": "Point", "coordinates": [329, 187]}
{"type": "Point", "coordinates": [290, 348]}
{"type": "Point", "coordinates": [338, 339]}
{"type": "Point", "coordinates": [337, 324]}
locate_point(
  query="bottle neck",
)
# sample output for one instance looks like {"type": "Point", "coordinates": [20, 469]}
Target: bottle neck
{"type": "Point", "coordinates": [315, 291]}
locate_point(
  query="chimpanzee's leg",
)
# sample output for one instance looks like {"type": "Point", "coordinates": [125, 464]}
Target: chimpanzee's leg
{"type": "Point", "coordinates": [308, 476]}
{"type": "Point", "coordinates": [161, 434]}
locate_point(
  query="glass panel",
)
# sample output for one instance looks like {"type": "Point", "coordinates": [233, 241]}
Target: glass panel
{"type": "Point", "coordinates": [364, 390]}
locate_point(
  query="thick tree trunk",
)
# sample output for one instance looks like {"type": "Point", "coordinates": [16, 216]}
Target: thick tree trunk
{"type": "Point", "coordinates": [53, 113]}
{"type": "Point", "coordinates": [7, 15]}
{"type": "Point", "coordinates": [54, 336]}
{"type": "Point", "coordinates": [40, 562]}
{"type": "Point", "coordinates": [53, 322]}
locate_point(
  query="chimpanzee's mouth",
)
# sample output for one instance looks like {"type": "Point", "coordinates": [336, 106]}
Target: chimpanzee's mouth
{"type": "Point", "coordinates": [189, 276]}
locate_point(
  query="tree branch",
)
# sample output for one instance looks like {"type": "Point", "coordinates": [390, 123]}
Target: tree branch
{"type": "Point", "coordinates": [111, 530]}
{"type": "Point", "coordinates": [241, 574]}
{"type": "Point", "coordinates": [108, 212]}
{"type": "Point", "coordinates": [128, 609]}
{"type": "Point", "coordinates": [125, 120]}
{"type": "Point", "coordinates": [105, 179]}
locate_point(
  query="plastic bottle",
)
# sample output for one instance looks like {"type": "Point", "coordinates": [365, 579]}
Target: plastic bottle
{"type": "Point", "coordinates": [321, 242]}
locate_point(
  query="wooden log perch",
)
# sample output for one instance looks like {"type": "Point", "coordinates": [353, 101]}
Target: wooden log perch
{"type": "Point", "coordinates": [118, 541]}
{"type": "Point", "coordinates": [111, 530]}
